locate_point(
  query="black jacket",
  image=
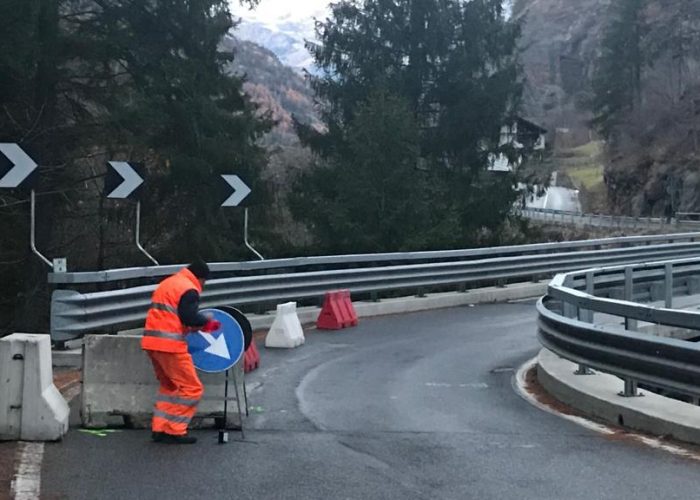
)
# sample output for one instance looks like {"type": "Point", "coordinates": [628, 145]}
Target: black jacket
{"type": "Point", "coordinates": [188, 310]}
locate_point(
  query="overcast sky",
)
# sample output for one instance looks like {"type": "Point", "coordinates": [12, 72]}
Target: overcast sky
{"type": "Point", "coordinates": [269, 10]}
{"type": "Point", "coordinates": [276, 9]}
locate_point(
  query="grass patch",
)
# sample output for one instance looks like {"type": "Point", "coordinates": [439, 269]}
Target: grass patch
{"type": "Point", "coordinates": [591, 150]}
{"type": "Point", "coordinates": [587, 177]}
{"type": "Point", "coordinates": [582, 165]}
{"type": "Point", "coordinates": [581, 168]}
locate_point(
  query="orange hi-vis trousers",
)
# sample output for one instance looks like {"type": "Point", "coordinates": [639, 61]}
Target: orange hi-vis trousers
{"type": "Point", "coordinates": [179, 394]}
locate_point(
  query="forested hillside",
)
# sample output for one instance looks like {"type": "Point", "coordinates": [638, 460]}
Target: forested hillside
{"type": "Point", "coordinates": [85, 82]}
{"type": "Point", "coordinates": [626, 72]}
{"type": "Point", "coordinates": [386, 148]}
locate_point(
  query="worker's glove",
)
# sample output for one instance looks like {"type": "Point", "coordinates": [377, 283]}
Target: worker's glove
{"type": "Point", "coordinates": [211, 326]}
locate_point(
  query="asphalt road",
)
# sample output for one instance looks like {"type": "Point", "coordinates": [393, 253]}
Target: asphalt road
{"type": "Point", "coordinates": [409, 407]}
{"type": "Point", "coordinates": [7, 468]}
{"type": "Point", "coordinates": [557, 198]}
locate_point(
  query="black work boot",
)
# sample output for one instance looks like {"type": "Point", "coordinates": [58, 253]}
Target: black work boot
{"type": "Point", "coordinates": [173, 439]}
{"type": "Point", "coordinates": [157, 436]}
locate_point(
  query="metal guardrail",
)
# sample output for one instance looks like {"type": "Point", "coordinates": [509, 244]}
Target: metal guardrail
{"type": "Point", "coordinates": [609, 221]}
{"type": "Point", "coordinates": [688, 216]}
{"type": "Point", "coordinates": [74, 314]}
{"type": "Point", "coordinates": [358, 260]}
{"type": "Point", "coordinates": [567, 324]}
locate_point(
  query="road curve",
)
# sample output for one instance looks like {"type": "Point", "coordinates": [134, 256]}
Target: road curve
{"type": "Point", "coordinates": [418, 406]}
{"type": "Point", "coordinates": [557, 198]}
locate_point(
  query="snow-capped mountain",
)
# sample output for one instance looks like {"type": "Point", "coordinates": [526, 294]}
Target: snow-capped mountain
{"type": "Point", "coordinates": [287, 44]}
{"type": "Point", "coordinates": [283, 28]}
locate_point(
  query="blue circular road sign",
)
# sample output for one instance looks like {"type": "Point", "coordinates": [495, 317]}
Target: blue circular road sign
{"type": "Point", "coordinates": [217, 351]}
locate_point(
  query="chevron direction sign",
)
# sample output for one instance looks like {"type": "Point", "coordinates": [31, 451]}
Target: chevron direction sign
{"type": "Point", "coordinates": [122, 180]}
{"type": "Point", "coordinates": [240, 191]}
{"type": "Point", "coordinates": [22, 166]}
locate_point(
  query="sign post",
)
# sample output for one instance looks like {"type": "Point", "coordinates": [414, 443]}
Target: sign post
{"type": "Point", "coordinates": [21, 168]}
{"type": "Point", "coordinates": [122, 181]}
{"type": "Point", "coordinates": [240, 193]}
{"type": "Point", "coordinates": [218, 352]}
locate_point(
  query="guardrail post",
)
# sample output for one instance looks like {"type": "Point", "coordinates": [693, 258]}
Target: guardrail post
{"type": "Point", "coordinates": [586, 314]}
{"type": "Point", "coordinates": [570, 310]}
{"type": "Point", "coordinates": [630, 324]}
{"type": "Point", "coordinates": [668, 285]}
{"type": "Point", "coordinates": [630, 390]}
{"type": "Point", "coordinates": [583, 370]}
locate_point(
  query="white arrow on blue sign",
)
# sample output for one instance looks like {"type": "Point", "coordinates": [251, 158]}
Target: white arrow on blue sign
{"type": "Point", "coordinates": [218, 351]}
{"type": "Point", "coordinates": [22, 165]}
{"type": "Point", "coordinates": [240, 191]}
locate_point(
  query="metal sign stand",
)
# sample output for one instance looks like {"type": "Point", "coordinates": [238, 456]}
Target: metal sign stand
{"type": "Point", "coordinates": [223, 430]}
{"type": "Point", "coordinates": [240, 193]}
{"type": "Point", "coordinates": [245, 237]}
{"type": "Point", "coordinates": [122, 181]}
{"type": "Point", "coordinates": [138, 234]}
{"type": "Point", "coordinates": [32, 237]}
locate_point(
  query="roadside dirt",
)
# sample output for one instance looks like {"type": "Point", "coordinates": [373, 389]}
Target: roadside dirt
{"type": "Point", "coordinates": [619, 434]}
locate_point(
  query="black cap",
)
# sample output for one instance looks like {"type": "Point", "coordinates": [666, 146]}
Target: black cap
{"type": "Point", "coordinates": [200, 269]}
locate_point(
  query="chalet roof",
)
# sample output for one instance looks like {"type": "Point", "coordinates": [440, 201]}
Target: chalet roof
{"type": "Point", "coordinates": [523, 122]}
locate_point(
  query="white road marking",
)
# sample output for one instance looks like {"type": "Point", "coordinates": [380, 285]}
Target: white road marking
{"type": "Point", "coordinates": [26, 484]}
{"type": "Point", "coordinates": [520, 385]}
{"type": "Point", "coordinates": [478, 385]}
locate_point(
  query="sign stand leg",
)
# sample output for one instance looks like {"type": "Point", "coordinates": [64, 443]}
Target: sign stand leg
{"type": "Point", "coordinates": [223, 433]}
{"type": "Point", "coordinates": [245, 237]}
{"type": "Point", "coordinates": [137, 234]}
{"type": "Point", "coordinates": [245, 397]}
{"type": "Point", "coordinates": [238, 402]}
{"type": "Point", "coordinates": [32, 237]}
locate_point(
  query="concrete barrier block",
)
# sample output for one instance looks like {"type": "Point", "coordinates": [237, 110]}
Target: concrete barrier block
{"type": "Point", "coordinates": [31, 408]}
{"type": "Point", "coordinates": [120, 387]}
{"type": "Point", "coordinates": [286, 331]}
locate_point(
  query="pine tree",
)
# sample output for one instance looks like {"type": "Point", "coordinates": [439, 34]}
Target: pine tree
{"type": "Point", "coordinates": [454, 65]}
{"type": "Point", "coordinates": [370, 198]}
{"type": "Point", "coordinates": [174, 104]}
{"type": "Point", "coordinates": [618, 74]}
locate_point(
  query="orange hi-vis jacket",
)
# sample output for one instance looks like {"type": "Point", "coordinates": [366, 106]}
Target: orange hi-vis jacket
{"type": "Point", "coordinates": [164, 331]}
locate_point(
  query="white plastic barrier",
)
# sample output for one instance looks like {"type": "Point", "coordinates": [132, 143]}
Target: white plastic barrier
{"type": "Point", "coordinates": [286, 331]}
{"type": "Point", "coordinates": [31, 408]}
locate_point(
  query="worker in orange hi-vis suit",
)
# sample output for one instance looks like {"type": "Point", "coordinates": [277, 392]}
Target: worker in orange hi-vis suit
{"type": "Point", "coordinates": [173, 314]}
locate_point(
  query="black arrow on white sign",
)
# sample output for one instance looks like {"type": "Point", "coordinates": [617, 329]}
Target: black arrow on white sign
{"type": "Point", "coordinates": [22, 165]}
{"type": "Point", "coordinates": [240, 191]}
{"type": "Point", "coordinates": [125, 183]}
